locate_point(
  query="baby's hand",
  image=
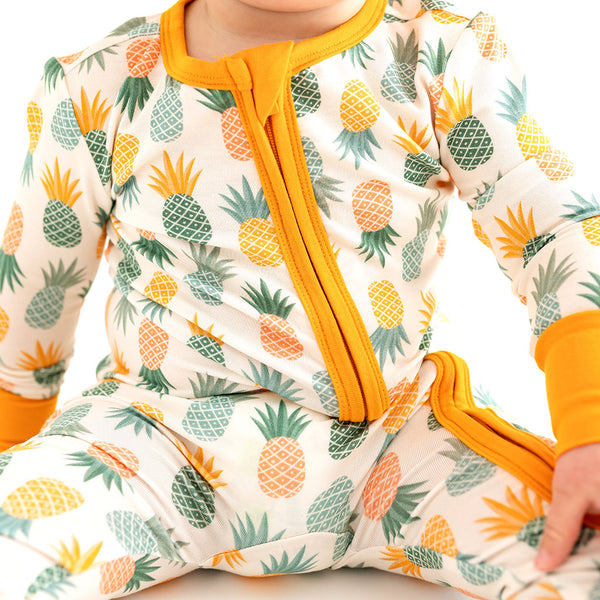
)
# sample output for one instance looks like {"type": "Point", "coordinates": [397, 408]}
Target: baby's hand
{"type": "Point", "coordinates": [575, 492]}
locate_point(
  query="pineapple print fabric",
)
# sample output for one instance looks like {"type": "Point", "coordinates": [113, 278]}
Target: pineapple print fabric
{"type": "Point", "coordinates": [273, 224]}
{"type": "Point", "coordinates": [113, 497]}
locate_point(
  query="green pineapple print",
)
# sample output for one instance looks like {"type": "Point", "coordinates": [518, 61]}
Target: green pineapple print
{"type": "Point", "coordinates": [193, 497]}
{"type": "Point", "coordinates": [128, 270]}
{"type": "Point", "coordinates": [584, 209]}
{"type": "Point", "coordinates": [91, 119]}
{"type": "Point", "coordinates": [435, 4]}
{"type": "Point", "coordinates": [46, 307]}
{"type": "Point", "coordinates": [5, 459]}
{"type": "Point", "coordinates": [306, 93]}
{"type": "Point", "coordinates": [147, 245]}
{"type": "Point", "coordinates": [414, 250]}
{"type": "Point", "coordinates": [61, 225]}
{"type": "Point", "coordinates": [595, 287]}
{"type": "Point", "coordinates": [419, 166]}
{"type": "Point", "coordinates": [324, 187]}
{"type": "Point", "coordinates": [137, 536]}
{"type": "Point", "coordinates": [65, 127]}
{"type": "Point", "coordinates": [323, 387]}
{"type": "Point", "coordinates": [330, 510]}
{"type": "Point", "coordinates": [131, 416]}
{"type": "Point", "coordinates": [484, 197]}
{"type": "Point", "coordinates": [166, 121]}
{"type": "Point", "coordinates": [398, 83]}
{"type": "Point", "coordinates": [471, 469]}
{"type": "Point", "coordinates": [272, 380]}
{"type": "Point", "coordinates": [52, 72]}
{"type": "Point", "coordinates": [479, 573]}
{"type": "Point", "coordinates": [205, 342]}
{"type": "Point", "coordinates": [359, 54]}
{"type": "Point", "coordinates": [183, 218]}
{"type": "Point", "coordinates": [206, 283]}
{"type": "Point", "coordinates": [468, 140]}
{"type": "Point", "coordinates": [436, 61]}
{"type": "Point", "coordinates": [208, 418]}
{"type": "Point", "coordinates": [68, 422]}
{"type": "Point", "coordinates": [246, 535]}
{"type": "Point", "coordinates": [105, 388]}
{"type": "Point", "coordinates": [285, 565]}
{"type": "Point", "coordinates": [547, 284]}
{"type": "Point", "coordinates": [51, 580]}
{"type": "Point", "coordinates": [345, 437]}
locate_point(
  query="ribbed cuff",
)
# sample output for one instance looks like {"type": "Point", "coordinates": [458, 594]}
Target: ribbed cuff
{"type": "Point", "coordinates": [568, 352]}
{"type": "Point", "coordinates": [22, 418]}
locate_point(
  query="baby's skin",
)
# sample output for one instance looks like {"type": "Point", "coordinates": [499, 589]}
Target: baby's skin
{"type": "Point", "coordinates": [216, 28]}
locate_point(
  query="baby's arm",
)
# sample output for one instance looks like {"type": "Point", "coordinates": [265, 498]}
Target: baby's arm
{"type": "Point", "coordinates": [529, 207]}
{"type": "Point", "coordinates": [52, 246]}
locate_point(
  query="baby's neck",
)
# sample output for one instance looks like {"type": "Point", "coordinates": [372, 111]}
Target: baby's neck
{"type": "Point", "coordinates": [215, 28]}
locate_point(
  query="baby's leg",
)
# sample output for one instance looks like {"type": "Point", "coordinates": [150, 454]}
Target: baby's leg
{"type": "Point", "coordinates": [433, 508]}
{"type": "Point", "coordinates": [87, 510]}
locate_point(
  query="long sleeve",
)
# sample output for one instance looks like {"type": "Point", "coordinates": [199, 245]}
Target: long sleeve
{"type": "Point", "coordinates": [530, 207]}
{"type": "Point", "coordinates": [51, 249]}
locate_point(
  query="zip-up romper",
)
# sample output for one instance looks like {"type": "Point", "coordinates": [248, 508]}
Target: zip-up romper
{"type": "Point", "coordinates": [275, 228]}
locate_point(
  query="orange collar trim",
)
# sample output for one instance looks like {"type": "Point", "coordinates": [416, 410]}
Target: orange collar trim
{"type": "Point", "coordinates": [195, 71]}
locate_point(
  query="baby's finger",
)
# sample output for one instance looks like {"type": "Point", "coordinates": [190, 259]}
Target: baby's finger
{"type": "Point", "coordinates": [563, 525]}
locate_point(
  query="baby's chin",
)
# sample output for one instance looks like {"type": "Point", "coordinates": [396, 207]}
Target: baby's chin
{"type": "Point", "coordinates": [291, 5]}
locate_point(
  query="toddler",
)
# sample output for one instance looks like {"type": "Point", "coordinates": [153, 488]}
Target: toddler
{"type": "Point", "coordinates": [269, 182]}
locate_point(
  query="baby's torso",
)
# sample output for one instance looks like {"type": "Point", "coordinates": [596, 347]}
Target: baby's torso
{"type": "Point", "coordinates": [278, 220]}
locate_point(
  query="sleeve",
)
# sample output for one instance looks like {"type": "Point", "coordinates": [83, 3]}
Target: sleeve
{"type": "Point", "coordinates": [534, 211]}
{"type": "Point", "coordinates": [51, 249]}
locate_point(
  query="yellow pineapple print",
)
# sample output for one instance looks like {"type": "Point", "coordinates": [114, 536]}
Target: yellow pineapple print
{"type": "Point", "coordinates": [37, 499]}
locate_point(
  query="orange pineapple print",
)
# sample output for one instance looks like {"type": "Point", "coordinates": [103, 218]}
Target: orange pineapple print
{"type": "Point", "coordinates": [372, 207]}
{"type": "Point", "coordinates": [142, 56]}
{"type": "Point", "coordinates": [281, 466]}
{"type": "Point", "coordinates": [153, 344]}
{"type": "Point", "coordinates": [277, 335]}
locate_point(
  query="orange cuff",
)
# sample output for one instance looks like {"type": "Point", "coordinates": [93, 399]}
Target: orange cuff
{"type": "Point", "coordinates": [22, 418]}
{"type": "Point", "coordinates": [568, 352]}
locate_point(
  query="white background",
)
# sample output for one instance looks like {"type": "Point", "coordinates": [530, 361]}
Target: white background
{"type": "Point", "coordinates": [558, 45]}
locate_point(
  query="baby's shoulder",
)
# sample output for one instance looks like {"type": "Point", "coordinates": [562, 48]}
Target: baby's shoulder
{"type": "Point", "coordinates": [130, 49]}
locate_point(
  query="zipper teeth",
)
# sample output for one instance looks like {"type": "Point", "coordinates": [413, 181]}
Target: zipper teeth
{"type": "Point", "coordinates": [271, 137]}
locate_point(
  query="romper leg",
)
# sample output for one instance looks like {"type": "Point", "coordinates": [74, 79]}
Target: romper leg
{"type": "Point", "coordinates": [86, 509]}
{"type": "Point", "coordinates": [435, 509]}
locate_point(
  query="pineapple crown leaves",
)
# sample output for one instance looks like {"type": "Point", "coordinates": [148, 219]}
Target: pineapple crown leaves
{"type": "Point", "coordinates": [435, 61]}
{"type": "Point", "coordinates": [515, 101]}
{"type": "Point", "coordinates": [458, 449]}
{"type": "Point", "coordinates": [212, 386]}
{"type": "Point", "coordinates": [285, 565]}
{"type": "Point", "coordinates": [405, 52]}
{"type": "Point", "coordinates": [584, 210]}
{"type": "Point", "coordinates": [174, 181]}
{"type": "Point", "coordinates": [456, 108]}
{"type": "Point", "coordinates": [127, 27]}
{"type": "Point", "coordinates": [246, 206]}
{"type": "Point", "coordinates": [443, 219]}
{"type": "Point", "coordinates": [272, 380]}
{"type": "Point", "coordinates": [595, 297]}
{"type": "Point", "coordinates": [57, 276]}
{"type": "Point", "coordinates": [73, 560]}
{"type": "Point", "coordinates": [60, 188]}
{"type": "Point", "coordinates": [210, 261]}
{"type": "Point", "coordinates": [279, 424]}
{"type": "Point", "coordinates": [246, 535]}
{"type": "Point", "coordinates": [414, 140]}
{"type": "Point", "coordinates": [52, 71]}
{"type": "Point", "coordinates": [102, 217]}
{"type": "Point", "coordinates": [551, 279]}
{"type": "Point", "coordinates": [266, 303]}
{"type": "Point", "coordinates": [218, 100]}
{"type": "Point", "coordinates": [43, 358]}
{"type": "Point", "coordinates": [428, 214]}
{"type": "Point", "coordinates": [92, 117]}
{"type": "Point", "coordinates": [96, 57]}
